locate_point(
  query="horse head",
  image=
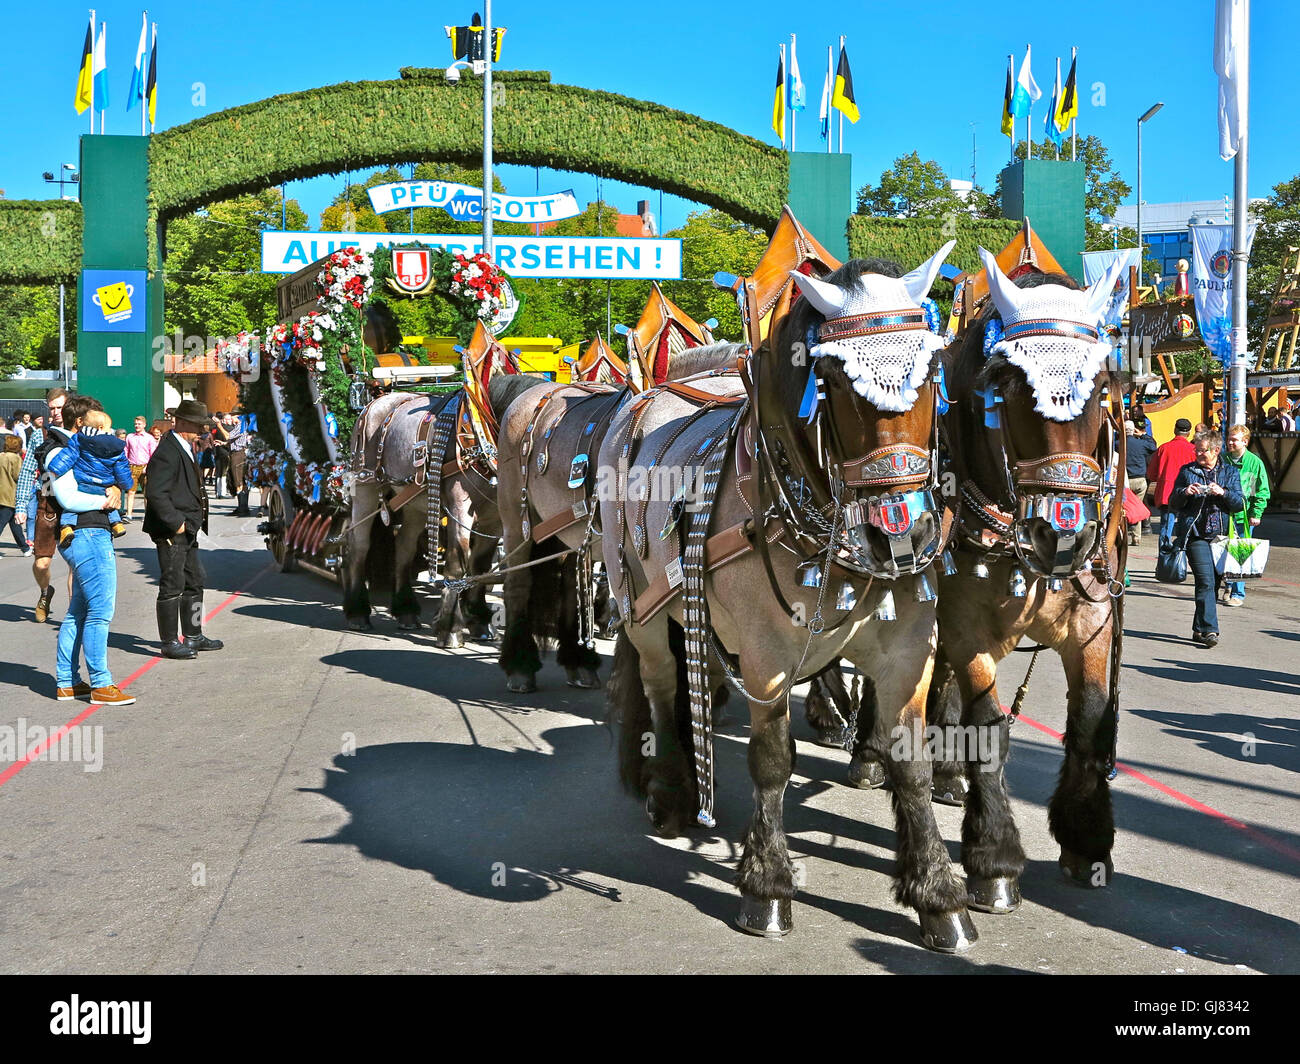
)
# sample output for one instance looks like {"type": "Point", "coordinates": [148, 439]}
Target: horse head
{"type": "Point", "coordinates": [1043, 387]}
{"type": "Point", "coordinates": [871, 336]}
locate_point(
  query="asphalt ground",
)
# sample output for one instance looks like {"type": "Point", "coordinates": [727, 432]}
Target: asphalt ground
{"type": "Point", "coordinates": [316, 800]}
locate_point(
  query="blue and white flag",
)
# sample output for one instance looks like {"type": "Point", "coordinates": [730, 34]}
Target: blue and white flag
{"type": "Point", "coordinates": [826, 107]}
{"type": "Point", "coordinates": [100, 68]}
{"type": "Point", "coordinates": [1056, 136]}
{"type": "Point", "coordinates": [1231, 35]}
{"type": "Point", "coordinates": [1095, 265]}
{"type": "Point", "coordinates": [794, 91]}
{"type": "Point", "coordinates": [1027, 90]}
{"type": "Point", "coordinates": [1212, 284]}
{"type": "Point", "coordinates": [135, 94]}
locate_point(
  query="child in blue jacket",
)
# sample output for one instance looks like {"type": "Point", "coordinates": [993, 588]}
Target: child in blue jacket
{"type": "Point", "coordinates": [97, 459]}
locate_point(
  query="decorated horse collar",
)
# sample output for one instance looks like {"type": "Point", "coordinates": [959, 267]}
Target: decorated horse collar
{"type": "Point", "coordinates": [874, 323]}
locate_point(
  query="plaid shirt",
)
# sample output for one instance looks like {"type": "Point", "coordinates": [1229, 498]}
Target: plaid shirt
{"type": "Point", "coordinates": [27, 474]}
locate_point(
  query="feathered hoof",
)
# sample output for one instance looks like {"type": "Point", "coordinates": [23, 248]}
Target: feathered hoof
{"type": "Point", "coordinates": [451, 640]}
{"type": "Point", "coordinates": [481, 632]}
{"type": "Point", "coordinates": [521, 683]}
{"type": "Point", "coordinates": [832, 737]}
{"type": "Point", "coordinates": [360, 626]}
{"type": "Point", "coordinates": [765, 917]}
{"type": "Point", "coordinates": [866, 774]}
{"type": "Point", "coordinates": [667, 819]}
{"type": "Point", "coordinates": [949, 790]}
{"type": "Point", "coordinates": [992, 894]}
{"type": "Point", "coordinates": [406, 624]}
{"type": "Point", "coordinates": [1092, 874]}
{"type": "Point", "coordinates": [948, 932]}
{"type": "Point", "coordinates": [583, 677]}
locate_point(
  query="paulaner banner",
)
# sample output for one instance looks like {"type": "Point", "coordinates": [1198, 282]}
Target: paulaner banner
{"type": "Point", "coordinates": [465, 203]}
{"type": "Point", "coordinates": [520, 256]}
{"type": "Point", "coordinates": [1212, 284]}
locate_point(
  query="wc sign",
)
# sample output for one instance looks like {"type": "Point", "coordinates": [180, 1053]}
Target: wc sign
{"type": "Point", "coordinates": [113, 301]}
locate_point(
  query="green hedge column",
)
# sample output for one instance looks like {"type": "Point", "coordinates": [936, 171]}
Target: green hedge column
{"type": "Point", "coordinates": [120, 310]}
{"type": "Point", "coordinates": [821, 196]}
{"type": "Point", "coordinates": [1050, 195]}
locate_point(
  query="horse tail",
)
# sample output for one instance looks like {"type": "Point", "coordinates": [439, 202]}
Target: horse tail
{"type": "Point", "coordinates": [546, 598]}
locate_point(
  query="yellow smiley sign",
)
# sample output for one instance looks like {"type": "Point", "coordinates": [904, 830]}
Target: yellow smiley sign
{"type": "Point", "coordinates": [114, 300]}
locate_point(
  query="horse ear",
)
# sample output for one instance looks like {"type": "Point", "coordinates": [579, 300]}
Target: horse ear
{"type": "Point", "coordinates": [827, 298]}
{"type": "Point", "coordinates": [919, 282]}
{"type": "Point", "coordinates": [1099, 293]}
{"type": "Point", "coordinates": [1006, 296]}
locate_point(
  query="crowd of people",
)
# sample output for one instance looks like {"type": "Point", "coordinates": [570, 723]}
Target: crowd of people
{"type": "Point", "coordinates": [64, 477]}
{"type": "Point", "coordinates": [1203, 495]}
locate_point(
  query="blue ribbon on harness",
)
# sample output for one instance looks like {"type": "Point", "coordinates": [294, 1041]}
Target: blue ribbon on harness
{"type": "Point", "coordinates": [992, 400]}
{"type": "Point", "coordinates": [941, 386]}
{"type": "Point", "coordinates": [315, 486]}
{"type": "Point", "coordinates": [331, 425]}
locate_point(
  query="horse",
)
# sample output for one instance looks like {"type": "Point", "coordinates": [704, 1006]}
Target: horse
{"type": "Point", "coordinates": [395, 446]}
{"type": "Point", "coordinates": [1036, 442]}
{"type": "Point", "coordinates": [546, 480]}
{"type": "Point", "coordinates": [815, 477]}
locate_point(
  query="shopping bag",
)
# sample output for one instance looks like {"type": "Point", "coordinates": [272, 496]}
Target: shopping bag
{"type": "Point", "coordinates": [1135, 509]}
{"type": "Point", "coordinates": [1239, 557]}
{"type": "Point", "coordinates": [1171, 562]}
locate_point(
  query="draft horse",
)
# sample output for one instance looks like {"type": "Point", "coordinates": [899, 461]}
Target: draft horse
{"type": "Point", "coordinates": [820, 485]}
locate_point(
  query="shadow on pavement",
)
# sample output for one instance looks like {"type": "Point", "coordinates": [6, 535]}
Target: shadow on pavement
{"type": "Point", "coordinates": [1275, 741]}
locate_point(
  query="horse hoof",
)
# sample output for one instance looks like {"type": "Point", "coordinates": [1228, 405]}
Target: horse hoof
{"type": "Point", "coordinates": [766, 917]}
{"type": "Point", "coordinates": [993, 894]}
{"type": "Point", "coordinates": [948, 932]}
{"type": "Point", "coordinates": [451, 640]}
{"type": "Point", "coordinates": [665, 819]}
{"type": "Point", "coordinates": [360, 626]}
{"type": "Point", "coordinates": [407, 626]}
{"type": "Point", "coordinates": [521, 683]}
{"type": "Point", "coordinates": [482, 633]}
{"type": "Point", "coordinates": [833, 737]}
{"type": "Point", "coordinates": [584, 677]}
{"type": "Point", "coordinates": [866, 774]}
{"type": "Point", "coordinates": [1085, 873]}
{"type": "Point", "coordinates": [949, 790]}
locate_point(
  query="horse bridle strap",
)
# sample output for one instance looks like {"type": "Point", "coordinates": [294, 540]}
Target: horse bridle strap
{"type": "Point", "coordinates": [1079, 474]}
{"type": "Point", "coordinates": [872, 324]}
{"type": "Point", "coordinates": [901, 463]}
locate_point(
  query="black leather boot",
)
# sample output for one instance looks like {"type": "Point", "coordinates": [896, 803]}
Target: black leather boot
{"type": "Point", "coordinates": [167, 625]}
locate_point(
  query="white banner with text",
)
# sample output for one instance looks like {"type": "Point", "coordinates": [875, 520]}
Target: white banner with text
{"type": "Point", "coordinates": [607, 258]}
{"type": "Point", "coordinates": [465, 203]}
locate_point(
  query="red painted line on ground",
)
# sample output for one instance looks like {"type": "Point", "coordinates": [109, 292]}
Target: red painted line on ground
{"type": "Point", "coordinates": [35, 753]}
{"type": "Point", "coordinates": [1163, 788]}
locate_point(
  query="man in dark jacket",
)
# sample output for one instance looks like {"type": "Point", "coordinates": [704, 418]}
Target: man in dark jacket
{"type": "Point", "coordinates": [1206, 495]}
{"type": "Point", "coordinates": [1141, 447]}
{"type": "Point", "coordinates": [176, 510]}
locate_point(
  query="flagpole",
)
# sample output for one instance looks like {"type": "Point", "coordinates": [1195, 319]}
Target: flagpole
{"type": "Point", "coordinates": [92, 71]}
{"type": "Point", "coordinates": [103, 28]}
{"type": "Point", "coordinates": [144, 67]}
{"type": "Point", "coordinates": [789, 81]}
{"type": "Point", "coordinates": [841, 113]}
{"type": "Point", "coordinates": [830, 92]}
{"type": "Point", "coordinates": [153, 50]}
{"type": "Point", "coordinates": [1074, 122]}
{"type": "Point", "coordinates": [1056, 103]}
{"type": "Point", "coordinates": [1240, 206]}
{"type": "Point", "coordinates": [1011, 72]}
{"type": "Point", "coordinates": [785, 85]}
{"type": "Point", "coordinates": [1029, 118]}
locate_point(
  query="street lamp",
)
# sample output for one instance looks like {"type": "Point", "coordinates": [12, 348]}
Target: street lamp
{"type": "Point", "coordinates": [1141, 248]}
{"type": "Point", "coordinates": [73, 178]}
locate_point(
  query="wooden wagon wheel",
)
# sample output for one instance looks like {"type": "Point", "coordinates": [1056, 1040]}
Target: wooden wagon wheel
{"type": "Point", "coordinates": [279, 518]}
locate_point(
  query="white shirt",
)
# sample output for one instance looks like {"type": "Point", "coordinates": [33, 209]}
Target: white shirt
{"type": "Point", "coordinates": [184, 446]}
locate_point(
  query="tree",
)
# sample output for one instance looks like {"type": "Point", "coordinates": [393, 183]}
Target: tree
{"type": "Point", "coordinates": [911, 188]}
{"type": "Point", "coordinates": [29, 326]}
{"type": "Point", "coordinates": [214, 285]}
{"type": "Point", "coordinates": [714, 242]}
{"type": "Point", "coordinates": [1279, 229]}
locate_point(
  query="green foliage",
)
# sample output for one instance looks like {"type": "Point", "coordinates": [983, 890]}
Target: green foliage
{"type": "Point", "coordinates": [911, 188]}
{"type": "Point", "coordinates": [1279, 229]}
{"type": "Point", "coordinates": [357, 125]}
{"type": "Point", "coordinates": [40, 241]}
{"type": "Point", "coordinates": [714, 242]}
{"type": "Point", "coordinates": [213, 284]}
{"type": "Point", "coordinates": [910, 241]}
{"type": "Point", "coordinates": [255, 398]}
{"type": "Point", "coordinates": [29, 326]}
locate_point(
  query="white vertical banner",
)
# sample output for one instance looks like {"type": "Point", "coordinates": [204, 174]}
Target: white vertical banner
{"type": "Point", "coordinates": [1212, 284]}
{"type": "Point", "coordinates": [1095, 265]}
{"type": "Point", "coordinates": [1230, 60]}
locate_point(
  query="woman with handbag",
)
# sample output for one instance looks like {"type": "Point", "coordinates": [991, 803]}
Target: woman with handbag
{"type": "Point", "coordinates": [1206, 493]}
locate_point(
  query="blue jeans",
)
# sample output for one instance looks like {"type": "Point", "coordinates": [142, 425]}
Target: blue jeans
{"type": "Point", "coordinates": [1237, 588]}
{"type": "Point", "coordinates": [69, 517]}
{"type": "Point", "coordinates": [94, 594]}
{"type": "Point", "coordinates": [1200, 559]}
{"type": "Point", "coordinates": [32, 503]}
{"type": "Point", "coordinates": [1167, 520]}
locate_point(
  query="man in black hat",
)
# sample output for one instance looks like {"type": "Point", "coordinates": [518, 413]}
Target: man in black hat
{"type": "Point", "coordinates": [176, 509]}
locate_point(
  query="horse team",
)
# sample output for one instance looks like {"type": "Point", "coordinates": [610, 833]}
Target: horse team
{"type": "Point", "coordinates": [845, 484]}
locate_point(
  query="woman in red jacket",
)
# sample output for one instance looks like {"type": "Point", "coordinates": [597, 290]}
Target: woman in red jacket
{"type": "Point", "coordinates": [1163, 469]}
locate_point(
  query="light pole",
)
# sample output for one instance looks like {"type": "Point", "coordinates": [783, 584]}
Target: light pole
{"type": "Point", "coordinates": [1141, 248]}
{"type": "Point", "coordinates": [73, 178]}
{"type": "Point", "coordinates": [487, 127]}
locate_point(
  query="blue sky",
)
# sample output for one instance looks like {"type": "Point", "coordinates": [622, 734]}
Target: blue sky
{"type": "Point", "coordinates": [923, 73]}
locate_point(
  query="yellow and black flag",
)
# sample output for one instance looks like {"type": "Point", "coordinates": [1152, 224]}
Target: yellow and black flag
{"type": "Point", "coordinates": [1008, 120]}
{"type": "Point", "coordinates": [1067, 106]}
{"type": "Point", "coordinates": [778, 101]}
{"type": "Point", "coordinates": [842, 98]}
{"type": "Point", "coordinates": [85, 74]}
{"type": "Point", "coordinates": [467, 41]}
{"type": "Point", "coordinates": [151, 82]}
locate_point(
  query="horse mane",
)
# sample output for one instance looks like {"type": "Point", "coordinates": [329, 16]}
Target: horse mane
{"type": "Point", "coordinates": [505, 388]}
{"type": "Point", "coordinates": [699, 359]}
